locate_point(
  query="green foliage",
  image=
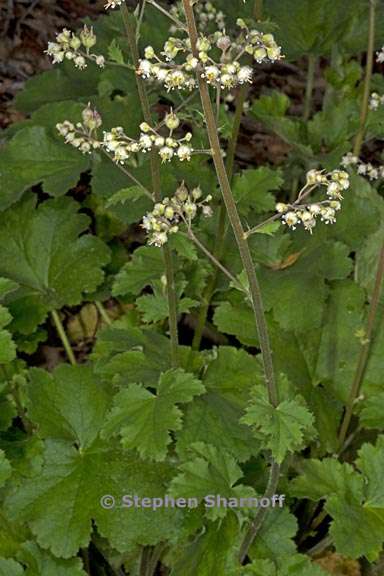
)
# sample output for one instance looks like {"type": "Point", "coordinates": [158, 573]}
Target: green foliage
{"type": "Point", "coordinates": [145, 419]}
{"type": "Point", "coordinates": [42, 253]}
{"type": "Point", "coordinates": [280, 429]}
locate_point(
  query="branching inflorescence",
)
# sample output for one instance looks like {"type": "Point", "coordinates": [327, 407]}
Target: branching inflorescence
{"type": "Point", "coordinates": [307, 213]}
{"type": "Point", "coordinates": [69, 46]}
{"type": "Point", "coordinates": [84, 136]}
{"type": "Point", "coordinates": [218, 60]}
{"type": "Point", "coordinates": [167, 215]}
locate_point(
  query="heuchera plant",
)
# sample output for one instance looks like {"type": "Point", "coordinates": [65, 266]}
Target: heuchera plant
{"type": "Point", "coordinates": [220, 328]}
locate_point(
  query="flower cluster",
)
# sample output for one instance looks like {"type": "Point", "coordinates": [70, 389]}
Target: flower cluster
{"type": "Point", "coordinates": [168, 214]}
{"type": "Point", "coordinates": [69, 46]}
{"type": "Point", "coordinates": [121, 146]}
{"type": "Point", "coordinates": [380, 55]}
{"type": "Point", "coordinates": [306, 213]}
{"type": "Point", "coordinates": [363, 168]}
{"type": "Point", "coordinates": [206, 15]}
{"type": "Point", "coordinates": [375, 101]}
{"type": "Point", "coordinates": [113, 3]}
{"type": "Point", "coordinates": [83, 136]}
{"type": "Point", "coordinates": [226, 73]}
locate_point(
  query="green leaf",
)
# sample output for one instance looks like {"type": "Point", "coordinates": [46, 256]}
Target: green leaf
{"type": "Point", "coordinates": [252, 189]}
{"type": "Point", "coordinates": [41, 563]}
{"type": "Point", "coordinates": [5, 469]}
{"type": "Point", "coordinates": [339, 344]}
{"type": "Point", "coordinates": [9, 567]}
{"type": "Point", "coordinates": [32, 157]}
{"type": "Point", "coordinates": [295, 565]}
{"type": "Point", "coordinates": [209, 471]}
{"type": "Point", "coordinates": [145, 420]}
{"type": "Point", "coordinates": [309, 26]}
{"type": "Point", "coordinates": [115, 53]}
{"type": "Point", "coordinates": [211, 552]}
{"type": "Point", "coordinates": [238, 321]}
{"type": "Point", "coordinates": [60, 503]}
{"type": "Point", "coordinates": [60, 500]}
{"type": "Point", "coordinates": [214, 417]}
{"type": "Point", "coordinates": [275, 539]}
{"type": "Point", "coordinates": [372, 411]}
{"type": "Point", "coordinates": [283, 428]}
{"type": "Point", "coordinates": [57, 404]}
{"type": "Point", "coordinates": [7, 345]}
{"type": "Point", "coordinates": [41, 251]}
{"type": "Point", "coordinates": [358, 496]}
{"type": "Point", "coordinates": [146, 265]}
{"type": "Point", "coordinates": [124, 195]}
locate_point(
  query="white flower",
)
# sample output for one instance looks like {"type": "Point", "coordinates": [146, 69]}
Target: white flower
{"type": "Point", "coordinates": [100, 61]}
{"type": "Point", "coordinates": [380, 55]}
{"type": "Point", "coordinates": [145, 141]}
{"type": "Point", "coordinates": [113, 3]}
{"type": "Point", "coordinates": [80, 62]}
{"type": "Point", "coordinates": [211, 73]}
{"type": "Point", "coordinates": [281, 207]}
{"type": "Point", "coordinates": [184, 152]}
{"type": "Point", "coordinates": [245, 74]}
{"type": "Point", "coordinates": [149, 53]}
{"type": "Point", "coordinates": [349, 159]}
{"type": "Point", "coordinates": [328, 215]}
{"type": "Point", "coordinates": [291, 219]}
{"type": "Point", "coordinates": [166, 153]}
{"type": "Point", "coordinates": [145, 68]}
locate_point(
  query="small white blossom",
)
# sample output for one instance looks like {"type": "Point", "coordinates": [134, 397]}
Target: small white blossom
{"type": "Point", "coordinates": [184, 152]}
{"type": "Point", "coordinates": [380, 55]}
{"type": "Point", "coordinates": [168, 214]}
{"type": "Point", "coordinates": [113, 3]}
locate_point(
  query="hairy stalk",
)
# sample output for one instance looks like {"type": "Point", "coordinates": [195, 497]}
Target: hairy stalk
{"type": "Point", "coordinates": [364, 350]}
{"type": "Point", "coordinates": [245, 254]}
{"type": "Point", "coordinates": [130, 176]}
{"type": "Point", "coordinates": [366, 346]}
{"type": "Point", "coordinates": [221, 225]}
{"type": "Point", "coordinates": [261, 513]}
{"type": "Point", "coordinates": [215, 261]}
{"type": "Point", "coordinates": [156, 184]}
{"type": "Point", "coordinates": [367, 81]}
{"type": "Point", "coordinates": [258, 9]}
{"type": "Point", "coordinates": [63, 337]}
{"type": "Point", "coordinates": [103, 313]}
{"type": "Point", "coordinates": [309, 86]}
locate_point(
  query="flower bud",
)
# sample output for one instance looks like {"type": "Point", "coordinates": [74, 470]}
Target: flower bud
{"type": "Point", "coordinates": [172, 121]}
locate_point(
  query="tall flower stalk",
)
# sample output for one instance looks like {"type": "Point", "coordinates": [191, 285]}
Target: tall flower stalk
{"type": "Point", "coordinates": [244, 250]}
{"type": "Point", "coordinates": [130, 28]}
{"type": "Point", "coordinates": [379, 278]}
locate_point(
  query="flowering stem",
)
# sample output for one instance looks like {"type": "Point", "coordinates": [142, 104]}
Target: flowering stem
{"type": "Point", "coordinates": [309, 86]}
{"type": "Point", "coordinates": [242, 243]}
{"type": "Point", "coordinates": [261, 513]}
{"type": "Point", "coordinates": [215, 261]}
{"type": "Point", "coordinates": [364, 350]}
{"type": "Point", "coordinates": [131, 176]}
{"type": "Point", "coordinates": [258, 9]}
{"type": "Point", "coordinates": [234, 217]}
{"type": "Point", "coordinates": [63, 337]}
{"type": "Point", "coordinates": [167, 13]}
{"type": "Point", "coordinates": [156, 184]}
{"type": "Point", "coordinates": [367, 81]}
{"type": "Point", "coordinates": [221, 226]}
